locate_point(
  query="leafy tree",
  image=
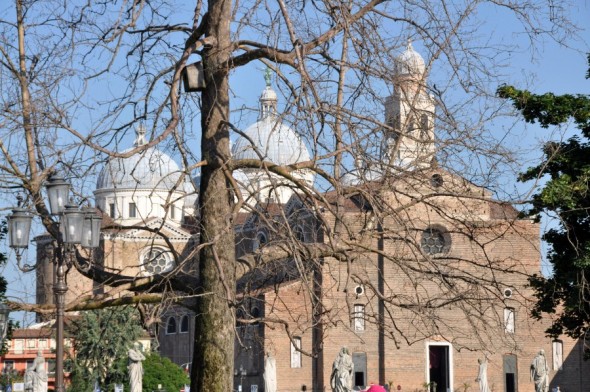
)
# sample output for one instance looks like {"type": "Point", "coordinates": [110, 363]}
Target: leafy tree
{"type": "Point", "coordinates": [10, 377]}
{"type": "Point", "coordinates": [566, 196]}
{"type": "Point", "coordinates": [162, 371]}
{"type": "Point", "coordinates": [101, 340]}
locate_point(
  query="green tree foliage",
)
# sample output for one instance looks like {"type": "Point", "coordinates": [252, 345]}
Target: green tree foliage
{"type": "Point", "coordinates": [101, 339]}
{"type": "Point", "coordinates": [162, 371]}
{"type": "Point", "coordinates": [565, 195]}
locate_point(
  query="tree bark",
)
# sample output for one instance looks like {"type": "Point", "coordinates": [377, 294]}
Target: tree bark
{"type": "Point", "coordinates": [214, 330]}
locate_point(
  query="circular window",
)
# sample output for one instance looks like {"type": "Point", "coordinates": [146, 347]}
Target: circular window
{"type": "Point", "coordinates": [436, 180]}
{"type": "Point", "coordinates": [433, 241]}
{"type": "Point", "coordinates": [156, 261]}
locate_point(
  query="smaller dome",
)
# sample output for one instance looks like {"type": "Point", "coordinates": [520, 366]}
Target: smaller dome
{"type": "Point", "coordinates": [268, 94]}
{"type": "Point", "coordinates": [150, 169]}
{"type": "Point", "coordinates": [409, 62]}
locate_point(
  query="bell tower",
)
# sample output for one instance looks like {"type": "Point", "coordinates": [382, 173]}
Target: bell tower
{"type": "Point", "coordinates": [409, 112]}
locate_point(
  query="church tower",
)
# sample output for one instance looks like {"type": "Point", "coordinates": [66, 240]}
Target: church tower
{"type": "Point", "coordinates": [409, 112]}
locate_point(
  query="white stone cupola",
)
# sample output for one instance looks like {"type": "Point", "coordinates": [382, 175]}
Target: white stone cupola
{"type": "Point", "coordinates": [273, 141]}
{"type": "Point", "coordinates": [409, 144]}
{"type": "Point", "coordinates": [141, 187]}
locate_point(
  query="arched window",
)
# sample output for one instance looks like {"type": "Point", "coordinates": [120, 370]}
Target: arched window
{"type": "Point", "coordinates": [557, 355]}
{"type": "Point", "coordinates": [260, 241]}
{"type": "Point", "coordinates": [509, 320]}
{"type": "Point", "coordinates": [171, 326]}
{"type": "Point", "coordinates": [358, 317]}
{"type": "Point", "coordinates": [424, 125]}
{"type": "Point", "coordinates": [296, 352]}
{"type": "Point", "coordinates": [299, 233]}
{"type": "Point", "coordinates": [396, 122]}
{"type": "Point", "coordinates": [184, 324]}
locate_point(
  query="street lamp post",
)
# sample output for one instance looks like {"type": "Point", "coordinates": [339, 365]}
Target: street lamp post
{"type": "Point", "coordinates": [77, 227]}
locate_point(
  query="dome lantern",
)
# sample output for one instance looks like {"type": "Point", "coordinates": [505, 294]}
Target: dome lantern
{"type": "Point", "coordinates": [409, 62]}
{"type": "Point", "coordinates": [140, 132]}
{"type": "Point", "coordinates": [270, 140]}
{"type": "Point", "coordinates": [268, 98]}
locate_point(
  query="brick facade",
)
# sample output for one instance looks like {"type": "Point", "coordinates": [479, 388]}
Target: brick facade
{"type": "Point", "coordinates": [427, 317]}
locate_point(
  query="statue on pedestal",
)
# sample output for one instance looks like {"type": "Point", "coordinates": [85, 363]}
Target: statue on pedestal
{"type": "Point", "coordinates": [270, 374]}
{"type": "Point", "coordinates": [36, 375]}
{"type": "Point", "coordinates": [135, 369]}
{"type": "Point", "coordinates": [342, 371]}
{"type": "Point", "coordinates": [482, 375]}
{"type": "Point", "coordinates": [540, 372]}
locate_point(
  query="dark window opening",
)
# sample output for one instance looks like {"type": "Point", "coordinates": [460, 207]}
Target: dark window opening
{"type": "Point", "coordinates": [132, 210]}
{"type": "Point", "coordinates": [436, 180]}
{"type": "Point", "coordinates": [360, 369]}
{"type": "Point", "coordinates": [299, 235]}
{"type": "Point", "coordinates": [439, 366]}
{"type": "Point", "coordinates": [510, 382]}
{"type": "Point", "coordinates": [112, 210]}
{"type": "Point", "coordinates": [510, 373]}
{"type": "Point", "coordinates": [359, 379]}
{"type": "Point", "coordinates": [184, 324]}
{"type": "Point", "coordinates": [171, 326]}
{"type": "Point", "coordinates": [424, 127]}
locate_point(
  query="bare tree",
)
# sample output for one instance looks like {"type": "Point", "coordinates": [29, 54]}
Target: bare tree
{"type": "Point", "coordinates": [77, 77]}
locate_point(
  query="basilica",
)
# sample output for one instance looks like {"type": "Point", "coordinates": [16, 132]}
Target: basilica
{"type": "Point", "coordinates": [432, 276]}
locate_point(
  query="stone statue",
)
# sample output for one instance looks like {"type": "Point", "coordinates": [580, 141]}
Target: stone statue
{"type": "Point", "coordinates": [135, 369]}
{"type": "Point", "coordinates": [342, 371]}
{"type": "Point", "coordinates": [482, 376]}
{"type": "Point", "coordinates": [270, 374]}
{"type": "Point", "coordinates": [540, 372]}
{"type": "Point", "coordinates": [36, 375]}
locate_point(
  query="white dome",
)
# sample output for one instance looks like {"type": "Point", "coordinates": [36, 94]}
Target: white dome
{"type": "Point", "coordinates": [273, 141]}
{"type": "Point", "coordinates": [268, 94]}
{"type": "Point", "coordinates": [151, 169]}
{"type": "Point", "coordinates": [409, 62]}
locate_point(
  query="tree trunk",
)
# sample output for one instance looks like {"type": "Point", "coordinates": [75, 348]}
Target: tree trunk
{"type": "Point", "coordinates": [215, 325]}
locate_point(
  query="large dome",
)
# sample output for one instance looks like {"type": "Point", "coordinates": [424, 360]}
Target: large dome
{"type": "Point", "coordinates": [151, 169]}
{"type": "Point", "coordinates": [271, 141]}
{"type": "Point", "coordinates": [409, 62]}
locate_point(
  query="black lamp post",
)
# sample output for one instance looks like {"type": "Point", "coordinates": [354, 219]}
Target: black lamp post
{"type": "Point", "coordinates": [77, 227]}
